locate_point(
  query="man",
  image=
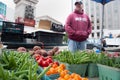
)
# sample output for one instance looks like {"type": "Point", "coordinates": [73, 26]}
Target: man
{"type": "Point", "coordinates": [78, 28]}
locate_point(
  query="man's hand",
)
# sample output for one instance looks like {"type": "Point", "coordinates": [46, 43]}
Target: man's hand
{"type": "Point", "coordinates": [81, 34]}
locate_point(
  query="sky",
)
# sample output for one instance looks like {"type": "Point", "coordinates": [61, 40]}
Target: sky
{"type": "Point", "coordinates": [57, 9]}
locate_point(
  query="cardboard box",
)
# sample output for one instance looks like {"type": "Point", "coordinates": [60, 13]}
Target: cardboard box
{"type": "Point", "coordinates": [45, 24]}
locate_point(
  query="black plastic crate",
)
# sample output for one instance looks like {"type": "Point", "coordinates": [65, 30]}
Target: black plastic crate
{"type": "Point", "coordinates": [47, 37]}
{"type": "Point", "coordinates": [12, 27]}
{"type": "Point", "coordinates": [29, 35]}
{"type": "Point", "coordinates": [1, 25]}
{"type": "Point", "coordinates": [11, 37]}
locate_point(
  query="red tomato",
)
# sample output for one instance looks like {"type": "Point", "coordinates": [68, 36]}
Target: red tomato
{"type": "Point", "coordinates": [40, 61]}
{"type": "Point", "coordinates": [45, 64]}
{"type": "Point", "coordinates": [37, 57]}
{"type": "Point", "coordinates": [43, 58]}
{"type": "Point", "coordinates": [47, 57]}
{"type": "Point", "coordinates": [49, 60]}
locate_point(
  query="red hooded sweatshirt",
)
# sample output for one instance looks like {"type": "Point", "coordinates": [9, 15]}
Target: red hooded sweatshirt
{"type": "Point", "coordinates": [78, 26]}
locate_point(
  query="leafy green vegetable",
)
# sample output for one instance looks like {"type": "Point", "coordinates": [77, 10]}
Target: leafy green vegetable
{"type": "Point", "coordinates": [78, 57]}
{"type": "Point", "coordinates": [19, 66]}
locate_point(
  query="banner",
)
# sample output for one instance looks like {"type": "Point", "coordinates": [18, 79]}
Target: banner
{"type": "Point", "coordinates": [25, 21]}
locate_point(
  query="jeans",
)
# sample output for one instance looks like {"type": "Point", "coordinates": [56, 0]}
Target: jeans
{"type": "Point", "coordinates": [75, 45]}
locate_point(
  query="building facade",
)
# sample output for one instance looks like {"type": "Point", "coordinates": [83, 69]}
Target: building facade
{"type": "Point", "coordinates": [25, 8]}
{"type": "Point", "coordinates": [94, 11]}
{"type": "Point", "coordinates": [25, 11]}
{"type": "Point", "coordinates": [2, 10]}
{"type": "Point", "coordinates": [112, 18]}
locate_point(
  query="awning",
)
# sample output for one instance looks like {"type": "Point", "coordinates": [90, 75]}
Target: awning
{"type": "Point", "coordinates": [102, 1]}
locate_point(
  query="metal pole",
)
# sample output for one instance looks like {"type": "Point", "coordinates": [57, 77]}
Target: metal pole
{"type": "Point", "coordinates": [102, 22]}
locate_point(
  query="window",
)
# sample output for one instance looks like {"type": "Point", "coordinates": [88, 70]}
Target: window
{"type": "Point", "coordinates": [92, 22]}
{"type": "Point", "coordinates": [98, 27]}
{"type": "Point", "coordinates": [92, 16]}
{"type": "Point", "coordinates": [98, 21]}
{"type": "Point", "coordinates": [92, 27]}
{"type": "Point", "coordinates": [98, 34]}
{"type": "Point", "coordinates": [92, 34]}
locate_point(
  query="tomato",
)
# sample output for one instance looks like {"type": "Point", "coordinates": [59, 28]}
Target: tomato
{"type": "Point", "coordinates": [45, 64]}
{"type": "Point", "coordinates": [37, 57]}
{"type": "Point", "coordinates": [49, 60]}
{"type": "Point", "coordinates": [43, 58]}
{"type": "Point", "coordinates": [40, 61]}
{"type": "Point", "coordinates": [44, 61]}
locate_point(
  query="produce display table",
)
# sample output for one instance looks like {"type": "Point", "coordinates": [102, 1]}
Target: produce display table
{"type": "Point", "coordinates": [12, 45]}
{"type": "Point", "coordinates": [36, 38]}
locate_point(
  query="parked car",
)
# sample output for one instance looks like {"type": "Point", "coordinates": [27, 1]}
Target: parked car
{"type": "Point", "coordinates": [95, 43]}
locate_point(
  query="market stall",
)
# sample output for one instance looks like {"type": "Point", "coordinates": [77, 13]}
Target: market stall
{"type": "Point", "coordinates": [16, 34]}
